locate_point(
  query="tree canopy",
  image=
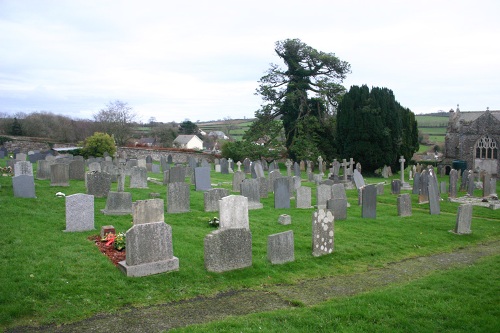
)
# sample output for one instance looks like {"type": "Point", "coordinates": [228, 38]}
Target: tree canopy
{"type": "Point", "coordinates": [309, 86]}
{"type": "Point", "coordinates": [374, 129]}
{"type": "Point", "coordinates": [97, 144]}
{"type": "Point", "coordinates": [116, 119]}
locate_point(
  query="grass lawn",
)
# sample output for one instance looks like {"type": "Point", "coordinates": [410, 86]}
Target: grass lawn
{"type": "Point", "coordinates": [50, 276]}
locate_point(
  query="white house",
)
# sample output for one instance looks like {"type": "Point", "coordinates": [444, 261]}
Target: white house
{"type": "Point", "coordinates": [188, 141]}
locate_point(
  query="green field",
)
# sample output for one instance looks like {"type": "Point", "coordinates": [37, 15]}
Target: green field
{"type": "Point", "coordinates": [431, 121]}
{"type": "Point", "coordinates": [51, 276]}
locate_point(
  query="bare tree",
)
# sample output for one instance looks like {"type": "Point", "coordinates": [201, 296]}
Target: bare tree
{"type": "Point", "coordinates": [116, 120]}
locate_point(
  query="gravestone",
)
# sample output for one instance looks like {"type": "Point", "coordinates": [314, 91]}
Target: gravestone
{"type": "Point", "coordinates": [202, 179]}
{"type": "Point", "coordinates": [95, 166]}
{"type": "Point", "coordinates": [224, 166]}
{"type": "Point", "coordinates": [464, 219]}
{"type": "Point", "coordinates": [404, 205]}
{"type": "Point", "coordinates": [77, 170]}
{"type": "Point", "coordinates": [246, 165]}
{"type": "Point", "coordinates": [250, 189]}
{"type": "Point", "coordinates": [280, 247]}
{"type": "Point", "coordinates": [338, 207]}
{"type": "Point", "coordinates": [263, 184]}
{"type": "Point", "coordinates": [259, 171]}
{"type": "Point", "coordinates": [285, 219]}
{"type": "Point", "coordinates": [43, 169]}
{"type": "Point", "coordinates": [233, 212]}
{"type": "Point", "coordinates": [442, 187]}
{"type": "Point", "coordinates": [79, 212]}
{"type": "Point", "coordinates": [296, 169]}
{"type": "Point", "coordinates": [452, 193]}
{"type": "Point", "coordinates": [486, 185]}
{"type": "Point", "coordinates": [163, 163]}
{"type": "Point", "coordinates": [273, 175]}
{"type": "Point", "coordinates": [23, 186]}
{"type": "Point", "coordinates": [416, 183]}
{"type": "Point", "coordinates": [380, 188]}
{"type": "Point", "coordinates": [463, 182]}
{"type": "Point", "coordinates": [303, 197]}
{"type": "Point", "coordinates": [23, 168]}
{"type": "Point", "coordinates": [470, 183]}
{"type": "Point", "coordinates": [177, 174]}
{"type": "Point", "coordinates": [169, 159]}
{"type": "Point", "coordinates": [238, 177]}
{"type": "Point", "coordinates": [20, 157]}
{"type": "Point", "coordinates": [423, 196]}
{"type": "Point", "coordinates": [289, 165]}
{"type": "Point", "coordinates": [322, 232]}
{"type": "Point", "coordinates": [358, 179]}
{"type": "Point", "coordinates": [369, 202]}
{"type": "Point", "coordinates": [434, 205]}
{"type": "Point", "coordinates": [148, 211]}
{"type": "Point", "coordinates": [118, 203]}
{"type": "Point", "coordinates": [178, 199]}
{"type": "Point", "coordinates": [138, 177]}
{"type": "Point", "coordinates": [395, 186]}
{"type": "Point", "coordinates": [141, 163]}
{"type": "Point", "coordinates": [59, 174]}
{"type": "Point", "coordinates": [97, 183]}
{"type": "Point", "coordinates": [149, 250]}
{"type": "Point", "coordinates": [323, 194]}
{"type": "Point", "coordinates": [282, 193]}
{"type": "Point", "coordinates": [211, 198]}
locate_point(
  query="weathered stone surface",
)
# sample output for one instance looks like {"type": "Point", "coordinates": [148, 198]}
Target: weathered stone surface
{"type": "Point", "coordinates": [322, 232]}
{"type": "Point", "coordinates": [228, 249]}
{"type": "Point", "coordinates": [118, 203]}
{"type": "Point", "coordinates": [138, 177]}
{"type": "Point", "coordinates": [79, 212]}
{"type": "Point", "coordinates": [464, 219]}
{"type": "Point", "coordinates": [23, 168]}
{"type": "Point", "coordinates": [282, 193]}
{"type": "Point", "coordinates": [303, 197]}
{"type": "Point", "coordinates": [178, 198]}
{"type": "Point", "coordinates": [250, 189]}
{"type": "Point", "coordinates": [211, 198]}
{"type": "Point", "coordinates": [233, 212]}
{"type": "Point", "coordinates": [280, 247]}
{"type": "Point", "coordinates": [24, 186]}
{"type": "Point", "coordinates": [59, 174]}
{"type": "Point", "coordinates": [202, 179]}
{"type": "Point", "coordinates": [285, 219]}
{"type": "Point", "coordinates": [238, 178]}
{"type": "Point", "coordinates": [148, 211]}
{"type": "Point", "coordinates": [338, 207]}
{"type": "Point", "coordinates": [323, 194]}
{"type": "Point", "coordinates": [98, 184]}
{"type": "Point", "coordinates": [369, 202]}
{"type": "Point", "coordinates": [404, 205]}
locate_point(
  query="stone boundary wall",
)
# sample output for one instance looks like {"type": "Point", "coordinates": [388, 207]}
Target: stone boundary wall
{"type": "Point", "coordinates": [177, 156]}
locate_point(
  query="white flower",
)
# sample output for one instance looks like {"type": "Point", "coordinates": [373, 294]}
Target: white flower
{"type": "Point", "coordinates": [60, 194]}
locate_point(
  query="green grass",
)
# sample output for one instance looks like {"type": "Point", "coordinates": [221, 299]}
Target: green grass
{"type": "Point", "coordinates": [434, 130]}
{"type": "Point", "coordinates": [50, 276]}
{"type": "Point", "coordinates": [426, 121]}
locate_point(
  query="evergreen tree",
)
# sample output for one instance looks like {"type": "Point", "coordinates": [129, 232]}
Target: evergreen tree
{"type": "Point", "coordinates": [16, 128]}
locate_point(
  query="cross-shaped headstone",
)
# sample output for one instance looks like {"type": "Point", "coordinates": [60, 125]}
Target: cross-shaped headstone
{"type": "Point", "coordinates": [320, 164]}
{"type": "Point", "coordinates": [402, 161]}
{"type": "Point", "coordinates": [289, 164]}
{"type": "Point", "coordinates": [239, 165]}
{"type": "Point", "coordinates": [344, 164]}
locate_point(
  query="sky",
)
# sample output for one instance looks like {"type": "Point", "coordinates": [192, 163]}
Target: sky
{"type": "Point", "coordinates": [202, 60]}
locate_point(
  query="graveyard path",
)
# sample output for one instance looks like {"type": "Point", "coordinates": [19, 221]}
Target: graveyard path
{"type": "Point", "coordinates": [159, 318]}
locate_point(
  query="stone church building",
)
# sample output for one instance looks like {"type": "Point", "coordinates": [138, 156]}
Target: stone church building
{"type": "Point", "coordinates": [473, 137]}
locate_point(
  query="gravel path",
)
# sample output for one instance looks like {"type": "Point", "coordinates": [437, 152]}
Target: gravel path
{"type": "Point", "coordinates": [163, 317]}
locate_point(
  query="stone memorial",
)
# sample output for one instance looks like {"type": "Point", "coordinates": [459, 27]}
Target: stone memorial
{"type": "Point", "coordinates": [250, 189]}
{"type": "Point", "coordinates": [395, 186]}
{"type": "Point", "coordinates": [434, 199]}
{"type": "Point", "coordinates": [238, 177]}
{"type": "Point", "coordinates": [423, 196]}
{"type": "Point", "coordinates": [148, 211]}
{"type": "Point", "coordinates": [178, 198]}
{"type": "Point", "coordinates": [95, 166]}
{"type": "Point", "coordinates": [23, 186]}
{"type": "Point", "coordinates": [404, 205]}
{"type": "Point", "coordinates": [464, 220]}
{"type": "Point", "coordinates": [224, 166]}
{"type": "Point", "coordinates": [263, 184]}
{"type": "Point", "coordinates": [79, 212]}
{"type": "Point", "coordinates": [452, 192]}
{"type": "Point", "coordinates": [43, 169]}
{"type": "Point", "coordinates": [322, 232]}
{"type": "Point", "coordinates": [211, 198]}
{"type": "Point", "coordinates": [338, 207]}
{"type": "Point", "coordinates": [202, 179]}
{"type": "Point", "coordinates": [303, 197]}
{"type": "Point", "coordinates": [358, 179]}
{"type": "Point", "coordinates": [282, 193]}
{"type": "Point", "coordinates": [23, 168]}
{"type": "Point", "coordinates": [280, 247]}
{"type": "Point", "coordinates": [77, 170]}
{"type": "Point", "coordinates": [59, 174]}
{"type": "Point", "coordinates": [177, 174]}
{"type": "Point", "coordinates": [138, 177]}
{"type": "Point", "coordinates": [285, 219]}
{"type": "Point", "coordinates": [369, 202]}
{"type": "Point", "coordinates": [323, 194]}
{"type": "Point", "coordinates": [118, 203]}
{"type": "Point", "coordinates": [416, 183]}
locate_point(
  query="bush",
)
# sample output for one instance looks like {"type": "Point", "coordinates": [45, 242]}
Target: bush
{"type": "Point", "coordinates": [97, 144]}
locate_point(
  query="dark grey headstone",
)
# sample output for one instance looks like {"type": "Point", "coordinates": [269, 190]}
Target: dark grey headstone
{"type": "Point", "coordinates": [338, 206]}
{"type": "Point", "coordinates": [59, 174]}
{"type": "Point", "coordinates": [238, 177]}
{"type": "Point", "coordinates": [280, 247]}
{"type": "Point", "coordinates": [246, 165]}
{"type": "Point", "coordinates": [464, 219]}
{"type": "Point", "coordinates": [423, 196]}
{"type": "Point", "coordinates": [212, 197]}
{"type": "Point", "coordinates": [228, 249]}
{"type": "Point", "coordinates": [250, 189]}
{"type": "Point", "coordinates": [224, 166]}
{"type": "Point", "coordinates": [396, 186]}
{"type": "Point", "coordinates": [434, 204]}
{"type": "Point", "coordinates": [202, 179]}
{"type": "Point", "coordinates": [273, 175]}
{"type": "Point", "coordinates": [77, 170]}
{"type": "Point", "coordinates": [404, 205]}
{"type": "Point", "coordinates": [369, 202]}
{"type": "Point", "coordinates": [452, 193]}
{"type": "Point", "coordinates": [98, 184]}
{"type": "Point", "coordinates": [416, 183]}
{"type": "Point", "coordinates": [178, 199]}
{"type": "Point", "coordinates": [23, 186]}
{"type": "Point", "coordinates": [259, 171]}
{"type": "Point", "coordinates": [118, 203]}
{"type": "Point", "coordinates": [282, 193]}
{"type": "Point", "coordinates": [177, 174]}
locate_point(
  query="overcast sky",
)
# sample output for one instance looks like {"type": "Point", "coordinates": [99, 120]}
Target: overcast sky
{"type": "Point", "coordinates": [201, 60]}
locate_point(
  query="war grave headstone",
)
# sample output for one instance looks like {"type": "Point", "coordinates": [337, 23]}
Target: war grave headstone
{"type": "Point", "coordinates": [464, 220]}
{"type": "Point", "coordinates": [369, 202]}
{"type": "Point", "coordinates": [79, 212]}
{"type": "Point", "coordinates": [149, 250]}
{"type": "Point", "coordinates": [43, 169]}
{"type": "Point", "coordinates": [250, 188]}
{"type": "Point", "coordinates": [59, 174]}
{"type": "Point", "coordinates": [323, 194]}
{"type": "Point", "coordinates": [416, 184]}
{"type": "Point", "coordinates": [434, 198]}
{"type": "Point", "coordinates": [395, 186]}
{"type": "Point", "coordinates": [212, 197]}
{"type": "Point", "coordinates": [177, 174]}
{"type": "Point", "coordinates": [281, 193]}
{"type": "Point", "coordinates": [118, 203]}
{"type": "Point", "coordinates": [303, 198]}
{"type": "Point", "coordinates": [202, 179]}
{"type": "Point", "coordinates": [77, 170]}
{"type": "Point", "coordinates": [148, 211]}
{"type": "Point", "coordinates": [263, 184]}
{"type": "Point", "coordinates": [404, 205]}
{"type": "Point", "coordinates": [280, 247]}
{"type": "Point", "coordinates": [178, 197]}
{"type": "Point", "coordinates": [230, 247]}
{"type": "Point", "coordinates": [423, 196]}
{"type": "Point", "coordinates": [238, 177]}
{"type": "Point", "coordinates": [97, 183]}
{"type": "Point", "coordinates": [23, 168]}
{"type": "Point", "coordinates": [273, 175]}
{"type": "Point", "coordinates": [358, 179]}
{"type": "Point", "coordinates": [452, 192]}
{"type": "Point", "coordinates": [23, 186]}
{"type": "Point", "coordinates": [322, 232]}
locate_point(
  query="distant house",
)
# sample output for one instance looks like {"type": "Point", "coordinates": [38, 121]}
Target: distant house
{"type": "Point", "coordinates": [188, 141]}
{"type": "Point", "coordinates": [146, 142]}
{"type": "Point", "coordinates": [218, 135]}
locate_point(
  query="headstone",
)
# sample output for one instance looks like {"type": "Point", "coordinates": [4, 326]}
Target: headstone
{"type": "Point", "coordinates": [358, 179]}
{"type": "Point", "coordinates": [148, 211]}
{"type": "Point", "coordinates": [178, 199]}
{"type": "Point", "coordinates": [380, 188]}
{"type": "Point", "coordinates": [238, 177]}
{"type": "Point", "coordinates": [20, 157]}
{"type": "Point", "coordinates": [470, 183]}
{"type": "Point", "coordinates": [452, 193]}
{"type": "Point", "coordinates": [423, 196]}
{"type": "Point", "coordinates": [118, 203]}
{"type": "Point", "coordinates": [95, 166]}
{"type": "Point", "coordinates": [280, 247]}
{"type": "Point", "coordinates": [464, 219]}
{"type": "Point", "coordinates": [59, 174]}
{"type": "Point", "coordinates": [228, 249]}
{"type": "Point", "coordinates": [177, 174]}
{"type": "Point", "coordinates": [98, 184]}
{"type": "Point", "coordinates": [224, 166]}
{"type": "Point", "coordinates": [303, 199]}
{"type": "Point", "coordinates": [202, 179]}
{"type": "Point", "coordinates": [233, 212]}
{"type": "Point", "coordinates": [358, 167]}
{"type": "Point", "coordinates": [23, 168]}
{"type": "Point", "coordinates": [263, 184]}
{"type": "Point", "coordinates": [281, 193]}
{"type": "Point", "coordinates": [211, 198]}
{"type": "Point", "coordinates": [369, 202]}
{"type": "Point", "coordinates": [395, 186]}
{"type": "Point", "coordinates": [77, 170]}
{"type": "Point", "coordinates": [323, 194]}
{"type": "Point", "coordinates": [138, 177]}
{"type": "Point", "coordinates": [239, 165]}
{"type": "Point", "coordinates": [169, 159]}
{"type": "Point", "coordinates": [79, 212]}
{"type": "Point", "coordinates": [486, 185]}
{"type": "Point", "coordinates": [385, 172]}
{"type": "Point", "coordinates": [285, 219]}
{"type": "Point", "coordinates": [23, 186]}
{"type": "Point", "coordinates": [344, 165]}
{"type": "Point", "coordinates": [288, 165]}
{"type": "Point", "coordinates": [404, 205]}
{"type": "Point", "coordinates": [463, 182]}
{"type": "Point", "coordinates": [43, 169]}
{"type": "Point", "coordinates": [322, 232]}
{"type": "Point", "coordinates": [296, 169]}
{"type": "Point", "coordinates": [442, 187]}
{"type": "Point", "coordinates": [273, 175]}
{"type": "Point", "coordinates": [338, 207]}
{"type": "Point", "coordinates": [259, 171]}
{"type": "Point", "coordinates": [250, 189]}
{"type": "Point", "coordinates": [246, 165]}
{"type": "Point", "coordinates": [434, 205]}
{"type": "Point", "coordinates": [141, 163]}
{"type": "Point", "coordinates": [149, 250]}
{"type": "Point", "coordinates": [416, 184]}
